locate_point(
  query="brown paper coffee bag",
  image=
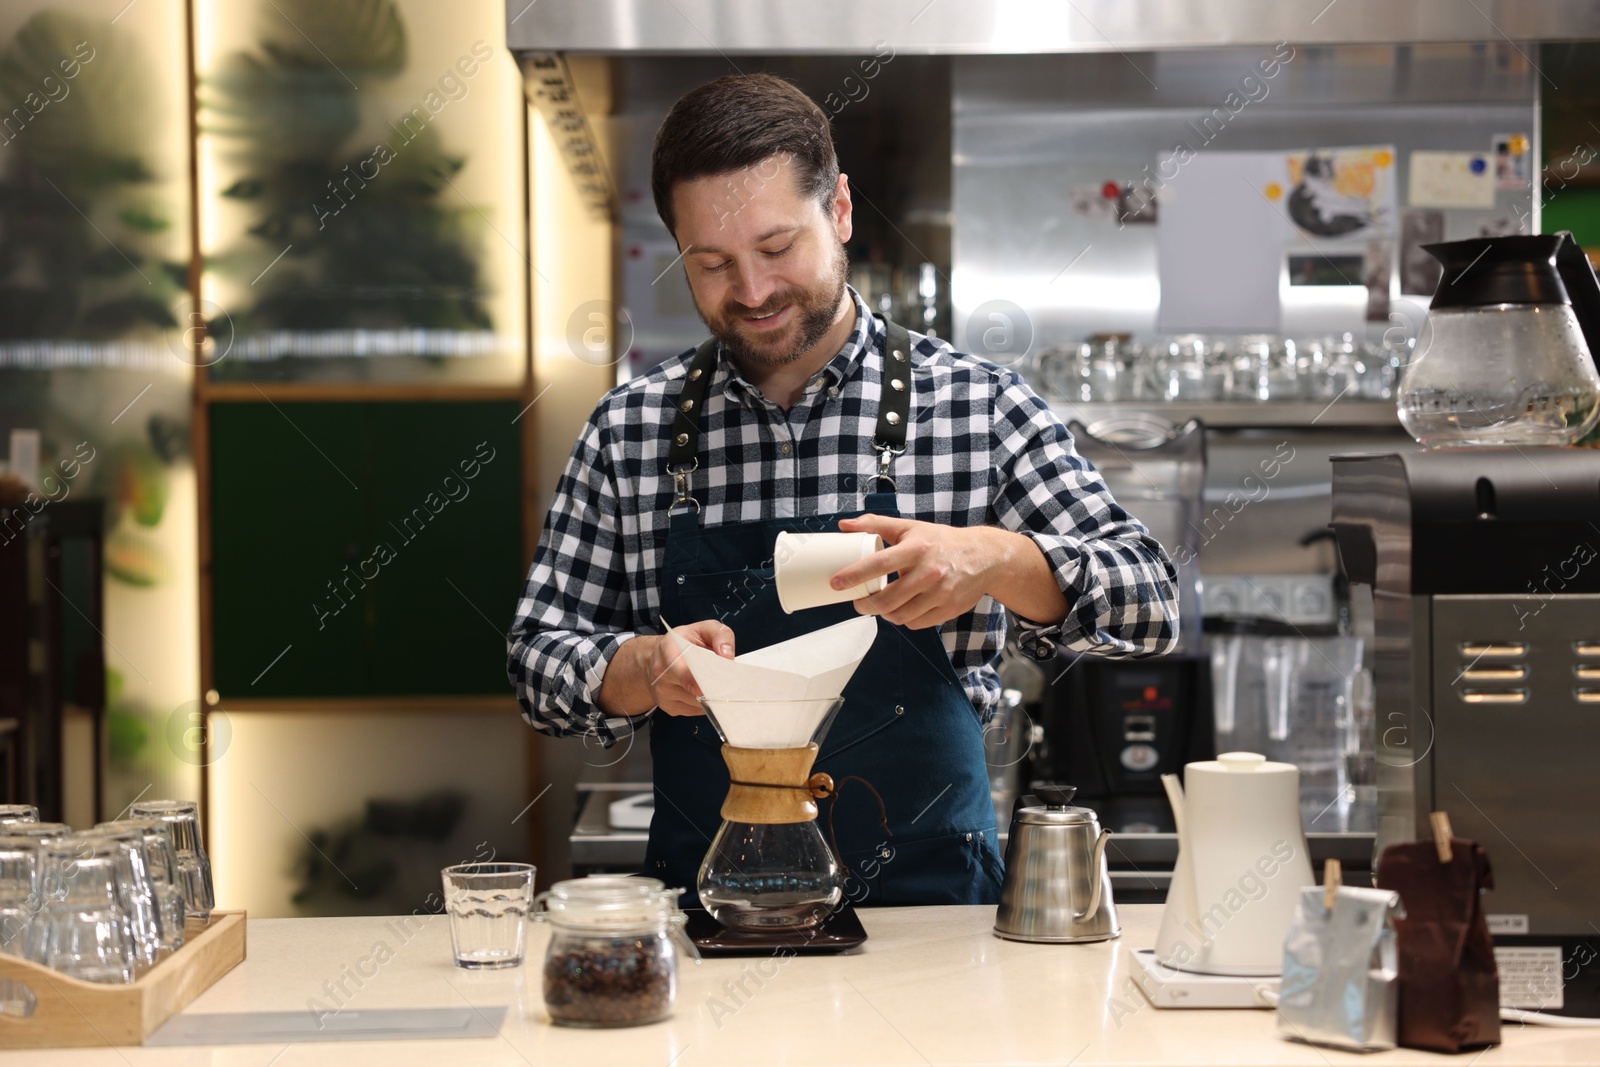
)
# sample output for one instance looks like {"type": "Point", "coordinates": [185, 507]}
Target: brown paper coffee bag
{"type": "Point", "coordinates": [1449, 987]}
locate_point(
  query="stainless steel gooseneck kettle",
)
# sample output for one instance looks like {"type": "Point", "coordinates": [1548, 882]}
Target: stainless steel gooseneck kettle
{"type": "Point", "coordinates": [1057, 885]}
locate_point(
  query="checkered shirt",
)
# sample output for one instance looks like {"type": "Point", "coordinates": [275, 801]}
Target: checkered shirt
{"type": "Point", "coordinates": [981, 449]}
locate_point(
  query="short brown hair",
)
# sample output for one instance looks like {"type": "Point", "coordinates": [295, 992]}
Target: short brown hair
{"type": "Point", "coordinates": [736, 122]}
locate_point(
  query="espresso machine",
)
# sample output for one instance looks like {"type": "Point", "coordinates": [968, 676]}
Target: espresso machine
{"type": "Point", "coordinates": [1483, 559]}
{"type": "Point", "coordinates": [1112, 728]}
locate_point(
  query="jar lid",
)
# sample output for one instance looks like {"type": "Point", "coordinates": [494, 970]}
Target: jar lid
{"type": "Point", "coordinates": [609, 900]}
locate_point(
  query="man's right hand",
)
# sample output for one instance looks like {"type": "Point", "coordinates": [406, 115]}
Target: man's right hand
{"type": "Point", "coordinates": [649, 672]}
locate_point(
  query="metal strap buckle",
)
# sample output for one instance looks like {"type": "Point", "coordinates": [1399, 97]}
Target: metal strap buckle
{"type": "Point", "coordinates": [886, 456]}
{"type": "Point", "coordinates": [680, 485]}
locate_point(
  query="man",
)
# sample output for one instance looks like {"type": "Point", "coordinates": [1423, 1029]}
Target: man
{"type": "Point", "coordinates": [804, 413]}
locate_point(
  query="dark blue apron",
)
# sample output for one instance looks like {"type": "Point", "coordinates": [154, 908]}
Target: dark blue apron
{"type": "Point", "coordinates": [907, 726]}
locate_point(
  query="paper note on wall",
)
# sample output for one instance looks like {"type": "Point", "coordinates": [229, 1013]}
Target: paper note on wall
{"type": "Point", "coordinates": [1451, 179]}
{"type": "Point", "coordinates": [1512, 158]}
{"type": "Point", "coordinates": [1228, 221]}
{"type": "Point", "coordinates": [1220, 241]}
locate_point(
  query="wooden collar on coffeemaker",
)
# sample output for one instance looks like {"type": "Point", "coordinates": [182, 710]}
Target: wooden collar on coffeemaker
{"type": "Point", "coordinates": [773, 785]}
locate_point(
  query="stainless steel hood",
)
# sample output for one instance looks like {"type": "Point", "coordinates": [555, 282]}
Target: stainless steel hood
{"type": "Point", "coordinates": [980, 27]}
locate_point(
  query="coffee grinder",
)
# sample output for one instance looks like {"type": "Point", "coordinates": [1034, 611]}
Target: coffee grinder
{"type": "Point", "coordinates": [1483, 559]}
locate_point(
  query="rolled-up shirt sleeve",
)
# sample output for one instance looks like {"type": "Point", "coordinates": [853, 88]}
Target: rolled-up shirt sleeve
{"type": "Point", "coordinates": [1119, 582]}
{"type": "Point", "coordinates": [575, 610]}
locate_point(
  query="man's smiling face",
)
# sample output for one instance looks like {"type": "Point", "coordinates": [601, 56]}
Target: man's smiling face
{"type": "Point", "coordinates": [766, 263]}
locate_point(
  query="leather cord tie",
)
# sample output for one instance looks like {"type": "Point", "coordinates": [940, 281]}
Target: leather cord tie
{"type": "Point", "coordinates": [819, 785]}
{"type": "Point", "coordinates": [883, 816]}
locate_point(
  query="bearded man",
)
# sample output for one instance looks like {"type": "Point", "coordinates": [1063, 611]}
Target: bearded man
{"type": "Point", "coordinates": [804, 412]}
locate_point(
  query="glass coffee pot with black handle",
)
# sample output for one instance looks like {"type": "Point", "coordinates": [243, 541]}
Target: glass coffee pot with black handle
{"type": "Point", "coordinates": [1506, 354]}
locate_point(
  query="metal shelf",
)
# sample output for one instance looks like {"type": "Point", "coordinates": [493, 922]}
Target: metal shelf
{"type": "Point", "coordinates": [1371, 414]}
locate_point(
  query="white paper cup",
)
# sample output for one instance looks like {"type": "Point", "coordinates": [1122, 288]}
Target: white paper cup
{"type": "Point", "coordinates": [804, 564]}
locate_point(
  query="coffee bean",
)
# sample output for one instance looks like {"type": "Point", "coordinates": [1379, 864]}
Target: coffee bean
{"type": "Point", "coordinates": [609, 981]}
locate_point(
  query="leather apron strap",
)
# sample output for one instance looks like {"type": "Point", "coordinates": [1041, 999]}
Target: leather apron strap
{"type": "Point", "coordinates": [888, 438]}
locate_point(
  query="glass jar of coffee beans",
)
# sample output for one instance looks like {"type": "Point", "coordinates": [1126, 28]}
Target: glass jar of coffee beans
{"type": "Point", "coordinates": [614, 948]}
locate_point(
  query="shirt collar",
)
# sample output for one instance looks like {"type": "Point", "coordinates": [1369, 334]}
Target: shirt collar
{"type": "Point", "coordinates": [867, 334]}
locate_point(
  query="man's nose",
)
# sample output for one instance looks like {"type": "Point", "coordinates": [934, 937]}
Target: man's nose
{"type": "Point", "coordinates": [753, 285]}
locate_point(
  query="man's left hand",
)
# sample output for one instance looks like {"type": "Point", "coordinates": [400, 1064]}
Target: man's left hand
{"type": "Point", "coordinates": [944, 570]}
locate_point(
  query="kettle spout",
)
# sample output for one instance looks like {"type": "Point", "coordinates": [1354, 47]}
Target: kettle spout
{"type": "Point", "coordinates": [1097, 874]}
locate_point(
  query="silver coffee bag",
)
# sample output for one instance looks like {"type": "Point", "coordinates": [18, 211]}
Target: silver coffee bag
{"type": "Point", "coordinates": [1340, 970]}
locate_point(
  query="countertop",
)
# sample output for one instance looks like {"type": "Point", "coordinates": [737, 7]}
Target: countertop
{"type": "Point", "coordinates": [930, 986]}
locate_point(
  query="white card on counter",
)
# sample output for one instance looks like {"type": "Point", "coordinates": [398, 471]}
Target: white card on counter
{"type": "Point", "coordinates": [283, 1027]}
{"type": "Point", "coordinates": [1530, 977]}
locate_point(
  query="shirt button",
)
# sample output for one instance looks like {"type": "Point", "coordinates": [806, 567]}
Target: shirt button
{"type": "Point", "coordinates": [784, 448]}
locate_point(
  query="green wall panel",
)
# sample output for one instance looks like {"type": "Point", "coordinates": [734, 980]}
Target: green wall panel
{"type": "Point", "coordinates": [379, 543]}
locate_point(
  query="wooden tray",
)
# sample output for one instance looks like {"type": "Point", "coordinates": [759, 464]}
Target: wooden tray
{"type": "Point", "coordinates": [71, 1013]}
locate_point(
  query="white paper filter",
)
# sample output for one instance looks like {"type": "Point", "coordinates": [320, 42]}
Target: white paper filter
{"type": "Point", "coordinates": [806, 669]}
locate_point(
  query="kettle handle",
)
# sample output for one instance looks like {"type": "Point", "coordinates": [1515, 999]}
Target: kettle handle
{"type": "Point", "coordinates": [1180, 817]}
{"type": "Point", "coordinates": [1582, 289]}
{"type": "Point", "coordinates": [1098, 874]}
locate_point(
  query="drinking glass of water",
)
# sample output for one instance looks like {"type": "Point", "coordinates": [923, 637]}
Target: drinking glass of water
{"type": "Point", "coordinates": [488, 905]}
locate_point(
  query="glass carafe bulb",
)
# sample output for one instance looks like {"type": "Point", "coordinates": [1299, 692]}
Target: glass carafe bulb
{"type": "Point", "coordinates": [1509, 374]}
{"type": "Point", "coordinates": [765, 876]}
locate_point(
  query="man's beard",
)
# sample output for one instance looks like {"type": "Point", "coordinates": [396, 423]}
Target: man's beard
{"type": "Point", "coordinates": [816, 310]}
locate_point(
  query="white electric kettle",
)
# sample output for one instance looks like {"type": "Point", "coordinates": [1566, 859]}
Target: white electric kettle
{"type": "Point", "coordinates": [1242, 862]}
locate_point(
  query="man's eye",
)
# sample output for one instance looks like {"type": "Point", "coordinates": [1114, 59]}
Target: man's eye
{"type": "Point", "coordinates": [781, 251]}
{"type": "Point", "coordinates": [718, 269]}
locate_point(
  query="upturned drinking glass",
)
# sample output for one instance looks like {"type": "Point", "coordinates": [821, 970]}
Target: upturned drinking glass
{"type": "Point", "coordinates": [163, 875]}
{"type": "Point", "coordinates": [19, 890]}
{"type": "Point", "coordinates": [1246, 355]}
{"type": "Point", "coordinates": [13, 813]}
{"type": "Point", "coordinates": [1180, 368]}
{"type": "Point", "coordinates": [137, 890]}
{"type": "Point", "coordinates": [82, 930]}
{"type": "Point", "coordinates": [193, 866]}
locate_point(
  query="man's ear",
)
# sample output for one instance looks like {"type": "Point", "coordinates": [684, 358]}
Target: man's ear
{"type": "Point", "coordinates": [842, 224]}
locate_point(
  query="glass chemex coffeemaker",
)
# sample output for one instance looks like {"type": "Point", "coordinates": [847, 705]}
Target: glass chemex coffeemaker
{"type": "Point", "coordinates": [768, 867]}
{"type": "Point", "coordinates": [1482, 555]}
{"type": "Point", "coordinates": [769, 871]}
